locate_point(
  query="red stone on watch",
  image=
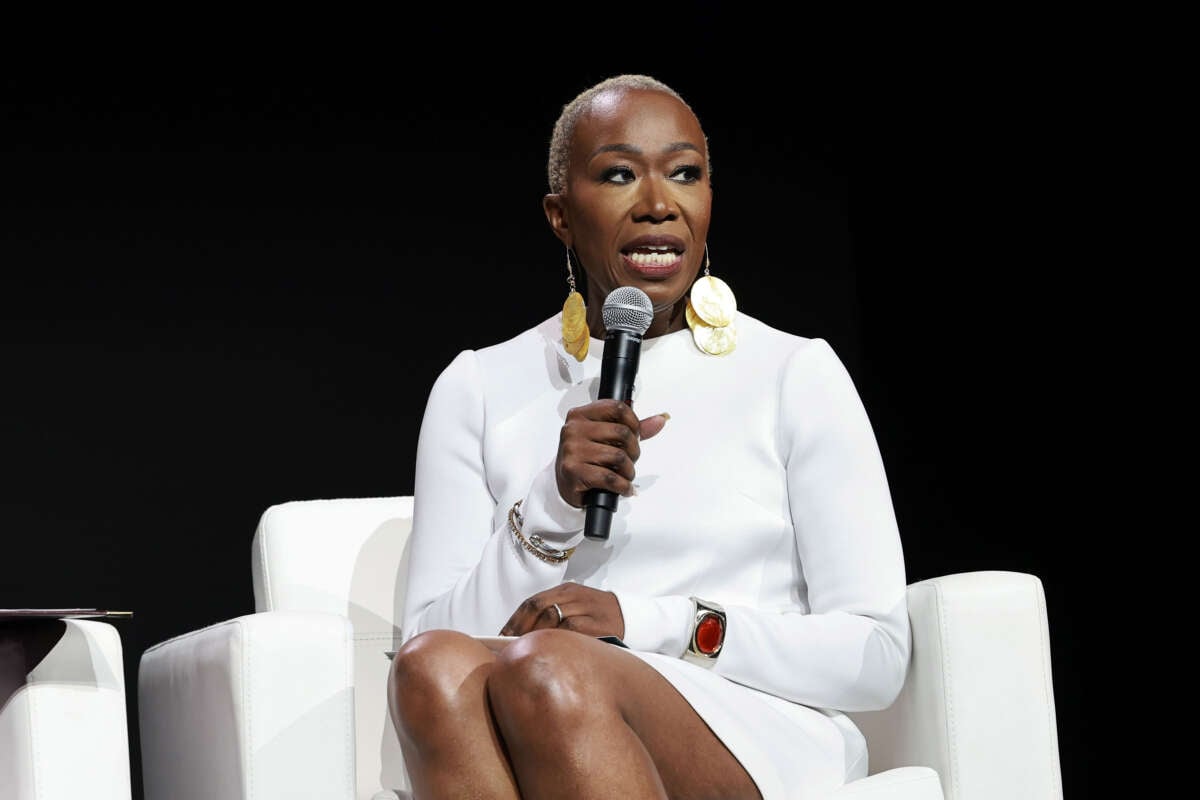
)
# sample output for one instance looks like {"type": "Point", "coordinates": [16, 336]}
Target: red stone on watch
{"type": "Point", "coordinates": [710, 632]}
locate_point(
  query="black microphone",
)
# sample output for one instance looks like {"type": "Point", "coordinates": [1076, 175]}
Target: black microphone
{"type": "Point", "coordinates": [627, 314]}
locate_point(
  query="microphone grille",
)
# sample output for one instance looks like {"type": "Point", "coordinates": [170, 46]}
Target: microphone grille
{"type": "Point", "coordinates": [628, 308]}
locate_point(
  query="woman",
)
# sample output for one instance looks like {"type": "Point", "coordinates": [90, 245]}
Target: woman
{"type": "Point", "coordinates": [753, 568]}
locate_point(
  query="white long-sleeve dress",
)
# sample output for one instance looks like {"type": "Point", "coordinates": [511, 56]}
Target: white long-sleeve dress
{"type": "Point", "coordinates": [765, 493]}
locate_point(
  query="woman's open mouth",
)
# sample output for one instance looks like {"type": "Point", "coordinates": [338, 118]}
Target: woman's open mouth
{"type": "Point", "coordinates": [653, 259]}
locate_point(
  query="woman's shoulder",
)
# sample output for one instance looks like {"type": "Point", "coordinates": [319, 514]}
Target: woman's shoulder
{"type": "Point", "coordinates": [795, 359]}
{"type": "Point", "coordinates": [512, 363]}
{"type": "Point", "coordinates": [518, 346]}
{"type": "Point", "coordinates": [771, 341]}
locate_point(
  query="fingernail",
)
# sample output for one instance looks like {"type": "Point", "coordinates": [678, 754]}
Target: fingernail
{"type": "Point", "coordinates": [665, 415]}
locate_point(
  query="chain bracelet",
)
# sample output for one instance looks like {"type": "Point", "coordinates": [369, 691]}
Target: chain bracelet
{"type": "Point", "coordinates": [534, 544]}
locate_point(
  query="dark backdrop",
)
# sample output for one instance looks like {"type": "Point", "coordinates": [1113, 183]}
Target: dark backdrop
{"type": "Point", "coordinates": [229, 282]}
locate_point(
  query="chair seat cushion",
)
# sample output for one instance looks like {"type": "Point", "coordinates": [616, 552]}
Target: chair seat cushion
{"type": "Point", "coordinates": [901, 783]}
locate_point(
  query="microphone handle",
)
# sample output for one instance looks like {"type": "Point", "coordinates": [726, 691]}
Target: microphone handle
{"type": "Point", "coordinates": [622, 351]}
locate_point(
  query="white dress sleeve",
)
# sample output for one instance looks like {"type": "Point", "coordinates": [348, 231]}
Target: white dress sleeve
{"type": "Point", "coordinates": [463, 573]}
{"type": "Point", "coordinates": [849, 650]}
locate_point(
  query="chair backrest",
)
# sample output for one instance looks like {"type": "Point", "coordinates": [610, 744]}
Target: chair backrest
{"type": "Point", "coordinates": [346, 556]}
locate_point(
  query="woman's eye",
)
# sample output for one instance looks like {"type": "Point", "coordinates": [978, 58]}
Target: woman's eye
{"type": "Point", "coordinates": [617, 175]}
{"type": "Point", "coordinates": [688, 174]}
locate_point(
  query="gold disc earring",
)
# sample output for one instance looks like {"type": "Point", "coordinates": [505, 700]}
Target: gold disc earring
{"type": "Point", "coordinates": [575, 334]}
{"type": "Point", "coordinates": [710, 313]}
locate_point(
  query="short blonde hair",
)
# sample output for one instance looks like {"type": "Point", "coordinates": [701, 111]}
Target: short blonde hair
{"type": "Point", "coordinates": [564, 128]}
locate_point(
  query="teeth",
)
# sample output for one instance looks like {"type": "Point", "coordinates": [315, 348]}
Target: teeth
{"type": "Point", "coordinates": [653, 259]}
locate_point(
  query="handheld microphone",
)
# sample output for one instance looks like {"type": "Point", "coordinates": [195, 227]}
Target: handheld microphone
{"type": "Point", "coordinates": [627, 314]}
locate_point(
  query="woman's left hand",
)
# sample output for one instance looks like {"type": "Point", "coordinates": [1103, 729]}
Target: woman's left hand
{"type": "Point", "coordinates": [592, 611]}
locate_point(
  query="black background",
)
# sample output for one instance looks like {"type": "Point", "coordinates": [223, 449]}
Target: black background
{"type": "Point", "coordinates": [231, 272]}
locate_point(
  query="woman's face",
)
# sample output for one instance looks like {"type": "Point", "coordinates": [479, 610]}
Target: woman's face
{"type": "Point", "coordinates": [637, 202]}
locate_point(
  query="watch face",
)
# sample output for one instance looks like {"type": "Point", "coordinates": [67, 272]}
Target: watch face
{"type": "Point", "coordinates": [708, 633]}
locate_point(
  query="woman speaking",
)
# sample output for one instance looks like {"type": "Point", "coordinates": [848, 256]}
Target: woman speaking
{"type": "Point", "coordinates": [749, 586]}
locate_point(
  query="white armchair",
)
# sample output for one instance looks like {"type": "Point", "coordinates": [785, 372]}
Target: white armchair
{"type": "Point", "coordinates": [63, 727]}
{"type": "Point", "coordinates": [289, 701]}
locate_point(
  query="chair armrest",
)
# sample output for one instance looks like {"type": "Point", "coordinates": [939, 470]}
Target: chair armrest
{"type": "Point", "coordinates": [258, 706]}
{"type": "Point", "coordinates": [63, 729]}
{"type": "Point", "coordinates": [978, 703]}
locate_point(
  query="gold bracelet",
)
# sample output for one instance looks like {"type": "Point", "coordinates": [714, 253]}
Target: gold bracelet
{"type": "Point", "coordinates": [534, 544]}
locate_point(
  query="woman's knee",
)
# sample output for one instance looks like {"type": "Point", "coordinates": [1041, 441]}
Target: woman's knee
{"type": "Point", "coordinates": [433, 673]}
{"type": "Point", "coordinates": [545, 677]}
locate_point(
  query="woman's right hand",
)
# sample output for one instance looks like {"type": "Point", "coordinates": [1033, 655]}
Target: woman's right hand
{"type": "Point", "coordinates": [598, 446]}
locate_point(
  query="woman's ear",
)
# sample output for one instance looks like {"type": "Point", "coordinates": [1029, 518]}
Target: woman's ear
{"type": "Point", "coordinates": [555, 207]}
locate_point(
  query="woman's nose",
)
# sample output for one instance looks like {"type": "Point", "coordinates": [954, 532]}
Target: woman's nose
{"type": "Point", "coordinates": [655, 203]}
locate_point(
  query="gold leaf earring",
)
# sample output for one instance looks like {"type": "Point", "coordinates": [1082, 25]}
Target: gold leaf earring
{"type": "Point", "coordinates": [575, 334]}
{"type": "Point", "coordinates": [710, 313]}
